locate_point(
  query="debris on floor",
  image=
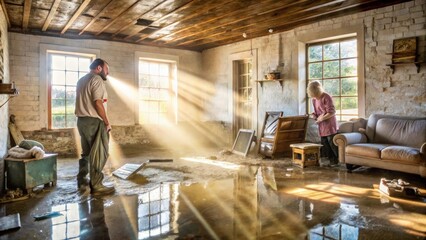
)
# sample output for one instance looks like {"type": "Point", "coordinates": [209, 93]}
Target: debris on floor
{"type": "Point", "coordinates": [10, 222]}
{"type": "Point", "coordinates": [130, 169]}
{"type": "Point", "coordinates": [14, 195]}
{"type": "Point", "coordinates": [398, 188]}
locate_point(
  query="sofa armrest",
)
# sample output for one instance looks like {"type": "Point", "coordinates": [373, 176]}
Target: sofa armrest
{"type": "Point", "coordinates": [349, 138]}
{"type": "Point", "coordinates": [341, 140]}
{"type": "Point", "coordinates": [423, 149]}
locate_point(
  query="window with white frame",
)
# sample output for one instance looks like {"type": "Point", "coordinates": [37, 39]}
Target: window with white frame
{"type": "Point", "coordinates": [64, 70]}
{"type": "Point", "coordinates": [157, 91]}
{"type": "Point", "coordinates": [335, 65]}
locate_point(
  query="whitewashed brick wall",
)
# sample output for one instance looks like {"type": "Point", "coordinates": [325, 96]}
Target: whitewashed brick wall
{"type": "Point", "coordinates": [25, 67]}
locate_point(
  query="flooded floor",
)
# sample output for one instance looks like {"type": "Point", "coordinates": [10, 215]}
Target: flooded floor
{"type": "Point", "coordinates": [214, 195]}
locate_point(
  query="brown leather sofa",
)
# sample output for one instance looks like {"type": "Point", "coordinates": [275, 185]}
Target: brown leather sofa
{"type": "Point", "coordinates": [389, 142]}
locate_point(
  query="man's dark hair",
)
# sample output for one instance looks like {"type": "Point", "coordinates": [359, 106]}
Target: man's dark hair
{"type": "Point", "coordinates": [97, 62]}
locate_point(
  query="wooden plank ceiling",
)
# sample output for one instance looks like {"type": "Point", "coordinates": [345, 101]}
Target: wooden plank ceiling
{"type": "Point", "coordinates": [185, 24]}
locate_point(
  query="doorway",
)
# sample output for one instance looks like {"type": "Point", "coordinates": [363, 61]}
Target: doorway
{"type": "Point", "coordinates": [243, 98]}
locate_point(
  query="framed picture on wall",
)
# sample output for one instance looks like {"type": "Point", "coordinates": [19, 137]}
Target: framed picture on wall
{"type": "Point", "coordinates": [404, 50]}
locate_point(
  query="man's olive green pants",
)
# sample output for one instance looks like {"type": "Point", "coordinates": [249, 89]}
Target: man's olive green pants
{"type": "Point", "coordinates": [94, 144]}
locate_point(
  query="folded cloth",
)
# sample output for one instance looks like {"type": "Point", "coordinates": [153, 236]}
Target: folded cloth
{"type": "Point", "coordinates": [21, 153]}
{"type": "Point", "coordinates": [37, 152]}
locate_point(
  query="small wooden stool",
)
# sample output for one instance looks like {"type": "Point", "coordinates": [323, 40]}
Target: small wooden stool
{"type": "Point", "coordinates": [306, 154]}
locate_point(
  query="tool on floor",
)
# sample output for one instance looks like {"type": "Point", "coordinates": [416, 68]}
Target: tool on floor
{"type": "Point", "coordinates": [47, 215]}
{"type": "Point", "coordinates": [130, 169]}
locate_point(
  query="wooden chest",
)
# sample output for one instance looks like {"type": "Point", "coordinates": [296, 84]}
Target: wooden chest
{"type": "Point", "coordinates": [29, 173]}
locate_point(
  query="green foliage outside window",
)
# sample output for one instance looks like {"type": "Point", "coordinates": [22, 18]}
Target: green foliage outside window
{"type": "Point", "coordinates": [334, 64]}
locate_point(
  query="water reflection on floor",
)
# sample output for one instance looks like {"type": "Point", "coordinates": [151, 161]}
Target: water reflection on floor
{"type": "Point", "coordinates": [258, 203]}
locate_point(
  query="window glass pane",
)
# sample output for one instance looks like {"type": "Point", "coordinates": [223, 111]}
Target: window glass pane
{"type": "Point", "coordinates": [154, 94]}
{"type": "Point", "coordinates": [58, 92]}
{"type": "Point", "coordinates": [164, 69]}
{"type": "Point", "coordinates": [331, 69]}
{"type": "Point", "coordinates": [331, 51]}
{"type": "Point", "coordinates": [64, 72]}
{"type": "Point", "coordinates": [144, 93]}
{"type": "Point", "coordinates": [249, 95]}
{"type": "Point", "coordinates": [58, 121]}
{"type": "Point", "coordinates": [143, 80]}
{"type": "Point", "coordinates": [332, 86]}
{"type": "Point", "coordinates": [58, 62]}
{"type": "Point", "coordinates": [72, 63]}
{"type": "Point", "coordinates": [315, 53]}
{"type": "Point", "coordinates": [163, 107]}
{"type": "Point", "coordinates": [348, 49]}
{"type": "Point", "coordinates": [349, 67]}
{"type": "Point", "coordinates": [81, 74]}
{"type": "Point", "coordinates": [153, 69]}
{"type": "Point", "coordinates": [336, 101]}
{"type": "Point", "coordinates": [164, 82]}
{"type": "Point", "coordinates": [58, 77]}
{"type": "Point", "coordinates": [164, 94]}
{"type": "Point", "coordinates": [58, 106]}
{"type": "Point", "coordinates": [71, 121]}
{"type": "Point", "coordinates": [154, 81]}
{"type": "Point", "coordinates": [71, 93]}
{"type": "Point", "coordinates": [154, 84]}
{"type": "Point", "coordinates": [350, 105]}
{"type": "Point", "coordinates": [144, 67]}
{"type": "Point", "coordinates": [349, 86]}
{"type": "Point", "coordinates": [72, 78]}
{"type": "Point", "coordinates": [152, 106]}
{"type": "Point", "coordinates": [70, 107]}
{"type": "Point", "coordinates": [84, 64]}
{"type": "Point", "coordinates": [315, 70]}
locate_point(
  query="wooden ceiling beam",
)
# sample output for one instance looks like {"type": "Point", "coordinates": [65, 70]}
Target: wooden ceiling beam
{"type": "Point", "coordinates": [186, 17]}
{"type": "Point", "coordinates": [252, 9]}
{"type": "Point", "coordinates": [76, 15]}
{"type": "Point", "coordinates": [5, 13]}
{"type": "Point", "coordinates": [118, 17]}
{"type": "Point", "coordinates": [140, 16]}
{"type": "Point", "coordinates": [26, 14]}
{"type": "Point", "coordinates": [96, 17]}
{"type": "Point", "coordinates": [182, 7]}
{"type": "Point", "coordinates": [290, 23]}
{"type": "Point", "coordinates": [294, 9]}
{"type": "Point", "coordinates": [255, 10]}
{"type": "Point", "coordinates": [52, 12]}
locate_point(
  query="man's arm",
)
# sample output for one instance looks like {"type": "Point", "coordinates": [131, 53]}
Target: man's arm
{"type": "Point", "coordinates": [101, 111]}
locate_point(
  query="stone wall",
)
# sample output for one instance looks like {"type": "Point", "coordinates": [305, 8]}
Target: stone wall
{"type": "Point", "coordinates": [66, 142]}
{"type": "Point", "coordinates": [400, 93]}
{"type": "Point", "coordinates": [4, 110]}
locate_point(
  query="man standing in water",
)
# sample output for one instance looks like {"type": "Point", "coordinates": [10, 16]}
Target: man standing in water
{"type": "Point", "coordinates": [93, 127]}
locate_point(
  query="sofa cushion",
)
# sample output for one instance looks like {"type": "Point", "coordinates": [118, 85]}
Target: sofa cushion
{"type": "Point", "coordinates": [370, 150]}
{"type": "Point", "coordinates": [403, 154]}
{"type": "Point", "coordinates": [402, 132]}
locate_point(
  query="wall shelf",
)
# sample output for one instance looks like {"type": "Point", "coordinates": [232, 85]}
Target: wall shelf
{"type": "Point", "coordinates": [392, 66]}
{"type": "Point", "coordinates": [280, 81]}
{"type": "Point", "coordinates": [404, 52]}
